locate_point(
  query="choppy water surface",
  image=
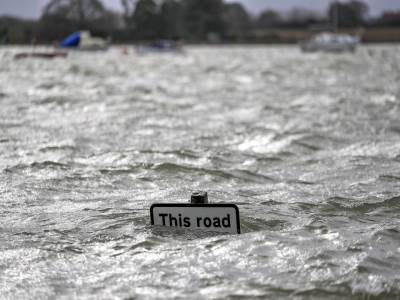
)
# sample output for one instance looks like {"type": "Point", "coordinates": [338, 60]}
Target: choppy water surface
{"type": "Point", "coordinates": [308, 147]}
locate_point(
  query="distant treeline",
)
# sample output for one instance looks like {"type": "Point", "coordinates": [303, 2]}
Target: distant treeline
{"type": "Point", "coordinates": [188, 20]}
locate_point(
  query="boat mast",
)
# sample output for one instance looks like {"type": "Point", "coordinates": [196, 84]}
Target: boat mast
{"type": "Point", "coordinates": [336, 16]}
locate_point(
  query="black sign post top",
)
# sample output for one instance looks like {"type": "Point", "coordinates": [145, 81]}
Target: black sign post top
{"type": "Point", "coordinates": [199, 197]}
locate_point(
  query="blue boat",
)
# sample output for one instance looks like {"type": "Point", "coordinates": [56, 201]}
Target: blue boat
{"type": "Point", "coordinates": [82, 40]}
{"type": "Point", "coordinates": [161, 46]}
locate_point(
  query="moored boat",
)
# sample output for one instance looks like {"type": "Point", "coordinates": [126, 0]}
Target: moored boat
{"type": "Point", "coordinates": [161, 46]}
{"type": "Point", "coordinates": [44, 55]}
{"type": "Point", "coordinates": [83, 40]}
{"type": "Point", "coordinates": [331, 42]}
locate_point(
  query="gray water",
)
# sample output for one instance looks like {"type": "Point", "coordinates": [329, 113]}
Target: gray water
{"type": "Point", "coordinates": [308, 147]}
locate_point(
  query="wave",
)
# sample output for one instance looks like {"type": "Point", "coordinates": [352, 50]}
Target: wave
{"type": "Point", "coordinates": [348, 204]}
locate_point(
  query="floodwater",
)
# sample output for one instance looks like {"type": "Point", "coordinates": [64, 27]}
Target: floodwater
{"type": "Point", "coordinates": [307, 146]}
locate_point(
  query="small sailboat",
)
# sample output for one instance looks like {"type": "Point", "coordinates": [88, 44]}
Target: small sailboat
{"type": "Point", "coordinates": [83, 40]}
{"type": "Point", "coordinates": [331, 42]}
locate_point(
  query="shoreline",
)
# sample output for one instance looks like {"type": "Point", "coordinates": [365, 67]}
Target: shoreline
{"type": "Point", "coordinates": [376, 35]}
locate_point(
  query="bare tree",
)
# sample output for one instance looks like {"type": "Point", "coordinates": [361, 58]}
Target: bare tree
{"type": "Point", "coordinates": [61, 17]}
{"type": "Point", "coordinates": [78, 11]}
{"type": "Point", "coordinates": [129, 8]}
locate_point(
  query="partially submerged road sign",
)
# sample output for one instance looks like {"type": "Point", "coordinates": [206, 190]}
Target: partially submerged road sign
{"type": "Point", "coordinates": [208, 217]}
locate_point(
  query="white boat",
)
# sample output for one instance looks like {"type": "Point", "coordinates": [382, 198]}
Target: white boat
{"type": "Point", "coordinates": [331, 42]}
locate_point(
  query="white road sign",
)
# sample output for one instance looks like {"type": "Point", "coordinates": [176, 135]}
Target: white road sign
{"type": "Point", "coordinates": [209, 217]}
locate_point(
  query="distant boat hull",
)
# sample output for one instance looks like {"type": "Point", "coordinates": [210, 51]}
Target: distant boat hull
{"type": "Point", "coordinates": [145, 50]}
{"type": "Point", "coordinates": [44, 55]}
{"type": "Point", "coordinates": [162, 46]}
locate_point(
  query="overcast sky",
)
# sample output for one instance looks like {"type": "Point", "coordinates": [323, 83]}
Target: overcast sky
{"type": "Point", "coordinates": [33, 8]}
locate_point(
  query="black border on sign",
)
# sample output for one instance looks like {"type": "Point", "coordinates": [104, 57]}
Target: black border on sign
{"type": "Point", "coordinates": [196, 205]}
